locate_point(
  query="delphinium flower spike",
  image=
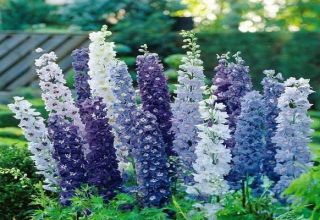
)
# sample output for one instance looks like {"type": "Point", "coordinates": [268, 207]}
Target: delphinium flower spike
{"type": "Point", "coordinates": [102, 167]}
{"type": "Point", "coordinates": [124, 105]}
{"type": "Point", "coordinates": [39, 144]}
{"type": "Point", "coordinates": [70, 158]}
{"type": "Point", "coordinates": [155, 95]}
{"type": "Point", "coordinates": [233, 82]}
{"type": "Point", "coordinates": [56, 95]}
{"type": "Point", "coordinates": [273, 87]}
{"type": "Point", "coordinates": [293, 132]}
{"type": "Point", "coordinates": [101, 55]}
{"type": "Point", "coordinates": [151, 161]}
{"type": "Point", "coordinates": [185, 108]}
{"type": "Point", "coordinates": [249, 149]}
{"type": "Point", "coordinates": [213, 158]}
{"type": "Point", "coordinates": [221, 79]}
{"type": "Point", "coordinates": [240, 85]}
{"type": "Point", "coordinates": [102, 66]}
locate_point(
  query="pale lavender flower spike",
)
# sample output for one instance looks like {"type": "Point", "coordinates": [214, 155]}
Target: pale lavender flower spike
{"type": "Point", "coordinates": [293, 132]}
{"type": "Point", "coordinates": [55, 94]}
{"type": "Point", "coordinates": [185, 109]}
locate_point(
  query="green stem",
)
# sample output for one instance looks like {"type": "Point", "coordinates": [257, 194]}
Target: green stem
{"type": "Point", "coordinates": [243, 194]}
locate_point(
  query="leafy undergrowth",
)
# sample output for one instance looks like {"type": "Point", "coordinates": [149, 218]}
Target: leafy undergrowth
{"type": "Point", "coordinates": [86, 205]}
{"type": "Point", "coordinates": [235, 206]}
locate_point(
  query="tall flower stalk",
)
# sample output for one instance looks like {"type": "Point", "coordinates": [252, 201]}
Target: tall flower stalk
{"type": "Point", "coordinates": [110, 80]}
{"type": "Point", "coordinates": [101, 55]}
{"type": "Point", "coordinates": [155, 95]}
{"type": "Point", "coordinates": [233, 83]}
{"type": "Point", "coordinates": [186, 106]}
{"type": "Point", "coordinates": [56, 95]}
{"type": "Point", "coordinates": [124, 105]}
{"type": "Point", "coordinates": [213, 158]}
{"type": "Point", "coordinates": [273, 87]}
{"type": "Point", "coordinates": [102, 167]}
{"type": "Point", "coordinates": [67, 140]}
{"type": "Point", "coordinates": [39, 144]}
{"type": "Point", "coordinates": [249, 138]}
{"type": "Point", "coordinates": [151, 161]}
{"type": "Point", "coordinates": [293, 132]}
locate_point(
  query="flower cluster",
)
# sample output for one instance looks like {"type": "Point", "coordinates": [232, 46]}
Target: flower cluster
{"type": "Point", "coordinates": [56, 95]}
{"type": "Point", "coordinates": [221, 79]}
{"type": "Point", "coordinates": [240, 85]}
{"type": "Point", "coordinates": [272, 89]}
{"type": "Point", "coordinates": [233, 82]}
{"type": "Point", "coordinates": [80, 59]}
{"type": "Point", "coordinates": [249, 137]}
{"type": "Point", "coordinates": [151, 161]}
{"type": "Point", "coordinates": [39, 144]}
{"type": "Point", "coordinates": [124, 107]}
{"type": "Point", "coordinates": [293, 132]}
{"type": "Point", "coordinates": [101, 55]}
{"type": "Point", "coordinates": [213, 158]}
{"type": "Point", "coordinates": [186, 106]}
{"type": "Point", "coordinates": [218, 142]}
{"type": "Point", "coordinates": [101, 154]}
{"type": "Point", "coordinates": [67, 151]}
{"type": "Point", "coordinates": [155, 94]}
{"type": "Point", "coordinates": [110, 80]}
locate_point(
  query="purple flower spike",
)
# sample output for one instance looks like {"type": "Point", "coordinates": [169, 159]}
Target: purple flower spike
{"type": "Point", "coordinates": [151, 161]}
{"type": "Point", "coordinates": [272, 89]}
{"type": "Point", "coordinates": [155, 94]}
{"type": "Point", "coordinates": [221, 79]}
{"type": "Point", "coordinates": [67, 152]}
{"type": "Point", "coordinates": [102, 165]}
{"type": "Point", "coordinates": [233, 82]}
{"type": "Point", "coordinates": [80, 58]}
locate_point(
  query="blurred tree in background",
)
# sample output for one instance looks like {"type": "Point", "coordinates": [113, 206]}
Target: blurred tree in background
{"type": "Point", "coordinates": [255, 15]}
{"type": "Point", "coordinates": [213, 15]}
{"type": "Point", "coordinates": [21, 14]}
{"type": "Point", "coordinates": [134, 22]}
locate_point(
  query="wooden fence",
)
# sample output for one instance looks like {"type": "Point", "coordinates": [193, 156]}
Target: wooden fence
{"type": "Point", "coordinates": [17, 54]}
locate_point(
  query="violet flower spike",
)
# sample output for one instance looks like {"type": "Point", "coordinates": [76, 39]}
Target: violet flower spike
{"type": "Point", "coordinates": [102, 165]}
{"type": "Point", "coordinates": [233, 82]}
{"type": "Point", "coordinates": [155, 95]}
{"type": "Point", "coordinates": [67, 152]}
{"type": "Point", "coordinates": [249, 150]}
{"type": "Point", "coordinates": [273, 87]}
{"type": "Point", "coordinates": [151, 161]}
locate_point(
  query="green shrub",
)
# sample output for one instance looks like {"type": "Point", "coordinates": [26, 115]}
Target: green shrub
{"type": "Point", "coordinates": [17, 180]}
